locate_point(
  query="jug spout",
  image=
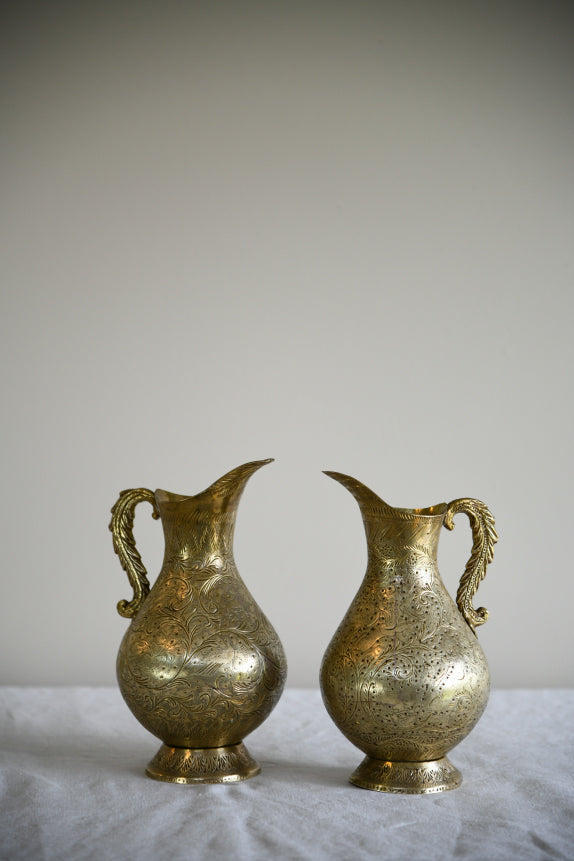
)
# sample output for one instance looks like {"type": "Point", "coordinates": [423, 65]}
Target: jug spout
{"type": "Point", "coordinates": [226, 492]}
{"type": "Point", "coordinates": [207, 520]}
{"type": "Point", "coordinates": [221, 497]}
{"type": "Point", "coordinates": [371, 505]}
{"type": "Point", "coordinates": [386, 525]}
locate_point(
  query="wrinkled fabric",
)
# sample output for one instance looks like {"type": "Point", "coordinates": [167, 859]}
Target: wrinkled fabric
{"type": "Point", "coordinates": [72, 786]}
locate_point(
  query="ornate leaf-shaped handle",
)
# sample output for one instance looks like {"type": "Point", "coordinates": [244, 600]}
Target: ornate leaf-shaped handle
{"type": "Point", "coordinates": [484, 538]}
{"type": "Point", "coordinates": [121, 527]}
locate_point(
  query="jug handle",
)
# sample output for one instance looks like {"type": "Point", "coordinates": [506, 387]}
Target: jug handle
{"type": "Point", "coordinates": [121, 526]}
{"type": "Point", "coordinates": [484, 538]}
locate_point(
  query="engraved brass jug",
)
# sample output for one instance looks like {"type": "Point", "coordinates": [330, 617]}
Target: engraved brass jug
{"type": "Point", "coordinates": [404, 678]}
{"type": "Point", "coordinates": [200, 666]}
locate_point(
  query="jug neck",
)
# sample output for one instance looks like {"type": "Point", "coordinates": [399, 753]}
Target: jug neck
{"type": "Point", "coordinates": [196, 531]}
{"type": "Point", "coordinates": [396, 532]}
{"type": "Point", "coordinates": [393, 531]}
{"type": "Point", "coordinates": [200, 528]}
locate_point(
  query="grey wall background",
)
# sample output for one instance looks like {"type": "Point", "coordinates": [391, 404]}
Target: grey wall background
{"type": "Point", "coordinates": [335, 234]}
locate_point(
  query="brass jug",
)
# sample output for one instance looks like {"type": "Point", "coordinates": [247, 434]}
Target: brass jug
{"type": "Point", "coordinates": [404, 677]}
{"type": "Point", "coordinates": [200, 666]}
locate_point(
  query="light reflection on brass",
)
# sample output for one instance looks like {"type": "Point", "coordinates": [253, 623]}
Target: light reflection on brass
{"type": "Point", "coordinates": [404, 678]}
{"type": "Point", "coordinates": [200, 665]}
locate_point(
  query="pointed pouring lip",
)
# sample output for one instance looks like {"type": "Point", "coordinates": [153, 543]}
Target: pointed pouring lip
{"type": "Point", "coordinates": [366, 498]}
{"type": "Point", "coordinates": [338, 476]}
{"type": "Point", "coordinates": [355, 486]}
{"type": "Point", "coordinates": [369, 501]}
{"type": "Point", "coordinates": [229, 487]}
{"type": "Point", "coordinates": [230, 484]}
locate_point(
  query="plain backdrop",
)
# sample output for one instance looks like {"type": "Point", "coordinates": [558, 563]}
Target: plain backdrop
{"type": "Point", "coordinates": [336, 234]}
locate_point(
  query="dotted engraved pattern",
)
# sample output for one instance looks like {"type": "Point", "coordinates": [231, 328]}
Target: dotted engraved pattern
{"type": "Point", "coordinates": [404, 677]}
{"type": "Point", "coordinates": [407, 777]}
{"type": "Point", "coordinates": [200, 665]}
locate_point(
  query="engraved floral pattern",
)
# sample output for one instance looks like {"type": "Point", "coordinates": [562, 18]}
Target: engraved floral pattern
{"type": "Point", "coordinates": [404, 677]}
{"type": "Point", "coordinates": [211, 765]}
{"type": "Point", "coordinates": [406, 777]}
{"type": "Point", "coordinates": [200, 665]}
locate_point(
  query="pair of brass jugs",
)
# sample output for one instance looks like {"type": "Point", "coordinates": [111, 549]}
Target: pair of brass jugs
{"type": "Point", "coordinates": [200, 666]}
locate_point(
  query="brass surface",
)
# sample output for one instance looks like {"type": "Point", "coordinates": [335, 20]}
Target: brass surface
{"type": "Point", "coordinates": [203, 765]}
{"type": "Point", "coordinates": [407, 778]}
{"type": "Point", "coordinates": [200, 666]}
{"type": "Point", "coordinates": [404, 678]}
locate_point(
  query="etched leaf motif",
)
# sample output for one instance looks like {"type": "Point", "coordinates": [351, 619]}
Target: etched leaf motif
{"type": "Point", "coordinates": [200, 665]}
{"type": "Point", "coordinates": [404, 677]}
{"type": "Point", "coordinates": [484, 538]}
{"type": "Point", "coordinates": [121, 526]}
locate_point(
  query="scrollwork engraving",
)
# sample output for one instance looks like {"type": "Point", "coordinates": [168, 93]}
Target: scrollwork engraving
{"type": "Point", "coordinates": [404, 676]}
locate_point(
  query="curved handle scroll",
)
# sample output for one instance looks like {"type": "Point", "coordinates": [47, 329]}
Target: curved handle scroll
{"type": "Point", "coordinates": [121, 526]}
{"type": "Point", "coordinates": [484, 538]}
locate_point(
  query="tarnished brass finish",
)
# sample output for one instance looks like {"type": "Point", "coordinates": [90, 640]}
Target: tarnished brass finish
{"type": "Point", "coordinates": [404, 677]}
{"type": "Point", "coordinates": [200, 665]}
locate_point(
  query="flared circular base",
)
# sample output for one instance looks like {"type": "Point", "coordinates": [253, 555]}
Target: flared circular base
{"type": "Point", "coordinates": [407, 777]}
{"type": "Point", "coordinates": [203, 764]}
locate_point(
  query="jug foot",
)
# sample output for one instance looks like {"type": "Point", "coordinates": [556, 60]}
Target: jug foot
{"type": "Point", "coordinates": [407, 777]}
{"type": "Point", "coordinates": [227, 764]}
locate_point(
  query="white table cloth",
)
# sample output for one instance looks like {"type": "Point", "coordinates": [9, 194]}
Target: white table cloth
{"type": "Point", "coordinates": [72, 786]}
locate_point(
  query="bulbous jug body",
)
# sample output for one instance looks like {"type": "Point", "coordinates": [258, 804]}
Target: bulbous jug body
{"type": "Point", "coordinates": [200, 665]}
{"type": "Point", "coordinates": [404, 677]}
